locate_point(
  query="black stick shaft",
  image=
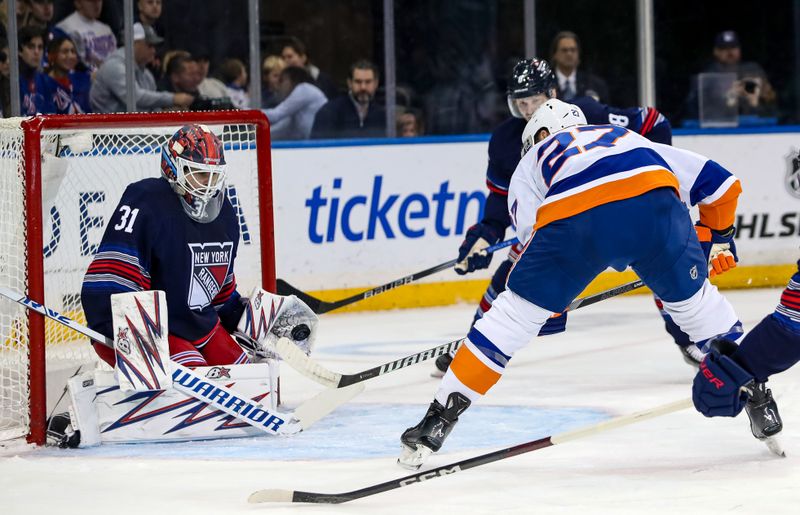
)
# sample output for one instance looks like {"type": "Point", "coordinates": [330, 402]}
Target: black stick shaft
{"type": "Point", "coordinates": [419, 477]}
{"type": "Point", "coordinates": [320, 306]}
{"type": "Point", "coordinates": [413, 359]}
{"type": "Point", "coordinates": [508, 452]}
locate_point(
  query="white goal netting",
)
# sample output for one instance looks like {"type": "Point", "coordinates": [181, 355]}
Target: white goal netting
{"type": "Point", "coordinates": [84, 172]}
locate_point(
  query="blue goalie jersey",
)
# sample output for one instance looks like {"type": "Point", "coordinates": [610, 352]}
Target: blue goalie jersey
{"type": "Point", "coordinates": [151, 244]}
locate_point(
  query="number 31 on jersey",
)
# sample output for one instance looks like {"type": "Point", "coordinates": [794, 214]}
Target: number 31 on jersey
{"type": "Point", "coordinates": [127, 218]}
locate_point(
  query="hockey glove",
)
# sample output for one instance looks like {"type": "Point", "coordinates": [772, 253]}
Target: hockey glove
{"type": "Point", "coordinates": [471, 253]}
{"type": "Point", "coordinates": [721, 386]}
{"type": "Point", "coordinates": [719, 248]}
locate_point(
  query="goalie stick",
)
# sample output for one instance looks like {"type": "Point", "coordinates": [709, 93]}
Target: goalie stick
{"type": "Point", "coordinates": [297, 496]}
{"type": "Point", "coordinates": [319, 306]}
{"type": "Point", "coordinates": [298, 360]}
{"type": "Point", "coordinates": [221, 397]}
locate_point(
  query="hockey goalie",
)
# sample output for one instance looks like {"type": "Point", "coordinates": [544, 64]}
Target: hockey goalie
{"type": "Point", "coordinates": [178, 234]}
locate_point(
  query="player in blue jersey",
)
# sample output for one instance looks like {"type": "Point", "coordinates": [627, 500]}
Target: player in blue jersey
{"type": "Point", "coordinates": [177, 233]}
{"type": "Point", "coordinates": [584, 198]}
{"type": "Point", "coordinates": [771, 347]}
{"type": "Point", "coordinates": [532, 83]}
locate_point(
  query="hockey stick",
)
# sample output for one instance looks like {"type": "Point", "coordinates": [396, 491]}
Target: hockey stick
{"type": "Point", "coordinates": [319, 306]}
{"type": "Point", "coordinates": [218, 395]}
{"type": "Point", "coordinates": [278, 495]}
{"type": "Point", "coordinates": [298, 360]}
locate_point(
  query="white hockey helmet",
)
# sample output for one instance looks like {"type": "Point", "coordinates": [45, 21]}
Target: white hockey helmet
{"type": "Point", "coordinates": [193, 162]}
{"type": "Point", "coordinates": [554, 115]}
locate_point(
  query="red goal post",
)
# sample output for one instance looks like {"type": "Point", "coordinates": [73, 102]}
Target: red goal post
{"type": "Point", "coordinates": [88, 159]}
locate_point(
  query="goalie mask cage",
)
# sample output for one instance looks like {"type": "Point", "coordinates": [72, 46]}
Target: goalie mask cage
{"type": "Point", "coordinates": [60, 180]}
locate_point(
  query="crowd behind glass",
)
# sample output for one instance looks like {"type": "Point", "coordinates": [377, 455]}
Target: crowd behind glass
{"type": "Point", "coordinates": [452, 60]}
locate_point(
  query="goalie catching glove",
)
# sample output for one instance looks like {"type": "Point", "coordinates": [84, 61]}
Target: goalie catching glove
{"type": "Point", "coordinates": [268, 317]}
{"type": "Point", "coordinates": [719, 248]}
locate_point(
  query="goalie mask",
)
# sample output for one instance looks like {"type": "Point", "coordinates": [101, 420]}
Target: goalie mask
{"type": "Point", "coordinates": [193, 163]}
{"type": "Point", "coordinates": [530, 78]}
{"type": "Point", "coordinates": [554, 115]}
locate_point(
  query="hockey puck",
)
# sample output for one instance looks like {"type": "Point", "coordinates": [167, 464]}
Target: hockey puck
{"type": "Point", "coordinates": [301, 332]}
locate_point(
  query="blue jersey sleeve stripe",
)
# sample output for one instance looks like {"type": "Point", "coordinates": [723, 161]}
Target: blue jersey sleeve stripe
{"type": "Point", "coordinates": [708, 181]}
{"type": "Point", "coordinates": [630, 160]}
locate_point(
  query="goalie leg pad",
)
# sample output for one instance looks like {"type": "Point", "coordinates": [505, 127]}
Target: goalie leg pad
{"type": "Point", "coordinates": [720, 387]}
{"type": "Point", "coordinates": [140, 340]}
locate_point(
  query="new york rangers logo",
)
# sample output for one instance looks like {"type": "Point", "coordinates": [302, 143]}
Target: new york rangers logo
{"type": "Point", "coordinates": [210, 264]}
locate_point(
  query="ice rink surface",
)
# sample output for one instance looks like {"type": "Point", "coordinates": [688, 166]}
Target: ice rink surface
{"type": "Point", "coordinates": [614, 359]}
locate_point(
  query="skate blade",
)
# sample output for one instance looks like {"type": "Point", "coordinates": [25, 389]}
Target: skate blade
{"type": "Point", "coordinates": [774, 446]}
{"type": "Point", "coordinates": [412, 458]}
{"type": "Point", "coordinates": [437, 373]}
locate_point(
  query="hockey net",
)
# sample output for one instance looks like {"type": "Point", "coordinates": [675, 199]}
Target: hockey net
{"type": "Point", "coordinates": [60, 180]}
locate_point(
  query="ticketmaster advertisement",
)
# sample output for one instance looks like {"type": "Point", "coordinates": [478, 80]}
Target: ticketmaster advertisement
{"type": "Point", "coordinates": [353, 217]}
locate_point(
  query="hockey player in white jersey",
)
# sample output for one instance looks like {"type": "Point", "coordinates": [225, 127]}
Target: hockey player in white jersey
{"type": "Point", "coordinates": [583, 198]}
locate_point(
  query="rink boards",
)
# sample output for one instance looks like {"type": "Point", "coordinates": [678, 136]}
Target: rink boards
{"type": "Point", "coordinates": [350, 216]}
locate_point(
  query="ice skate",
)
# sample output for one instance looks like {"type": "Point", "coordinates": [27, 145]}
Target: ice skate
{"type": "Point", "coordinates": [60, 432]}
{"type": "Point", "coordinates": [427, 437]}
{"type": "Point", "coordinates": [765, 421]}
{"type": "Point", "coordinates": [442, 364]}
{"type": "Point", "coordinates": [692, 355]}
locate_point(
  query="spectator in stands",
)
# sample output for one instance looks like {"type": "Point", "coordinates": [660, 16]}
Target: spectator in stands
{"type": "Point", "coordinates": [108, 91]}
{"type": "Point", "coordinates": [68, 83]}
{"type": "Point", "coordinates": [5, 80]}
{"type": "Point", "coordinates": [565, 53]}
{"type": "Point", "coordinates": [752, 90]}
{"type": "Point", "coordinates": [294, 116]}
{"type": "Point", "coordinates": [409, 123]}
{"type": "Point", "coordinates": [294, 54]}
{"type": "Point", "coordinates": [31, 77]}
{"type": "Point", "coordinates": [234, 75]}
{"type": "Point", "coordinates": [149, 13]}
{"type": "Point", "coordinates": [94, 39]}
{"type": "Point", "coordinates": [183, 75]}
{"type": "Point", "coordinates": [354, 115]}
{"type": "Point", "coordinates": [271, 70]}
{"type": "Point", "coordinates": [35, 13]}
{"type": "Point", "coordinates": [209, 86]}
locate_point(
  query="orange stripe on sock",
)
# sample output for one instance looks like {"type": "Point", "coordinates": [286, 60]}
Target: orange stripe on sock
{"type": "Point", "coordinates": [472, 372]}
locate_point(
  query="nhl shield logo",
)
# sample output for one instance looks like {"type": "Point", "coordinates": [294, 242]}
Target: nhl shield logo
{"type": "Point", "coordinates": [210, 264]}
{"type": "Point", "coordinates": [792, 180]}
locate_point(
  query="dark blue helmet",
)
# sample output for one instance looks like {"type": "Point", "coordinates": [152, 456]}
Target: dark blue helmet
{"type": "Point", "coordinates": [531, 77]}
